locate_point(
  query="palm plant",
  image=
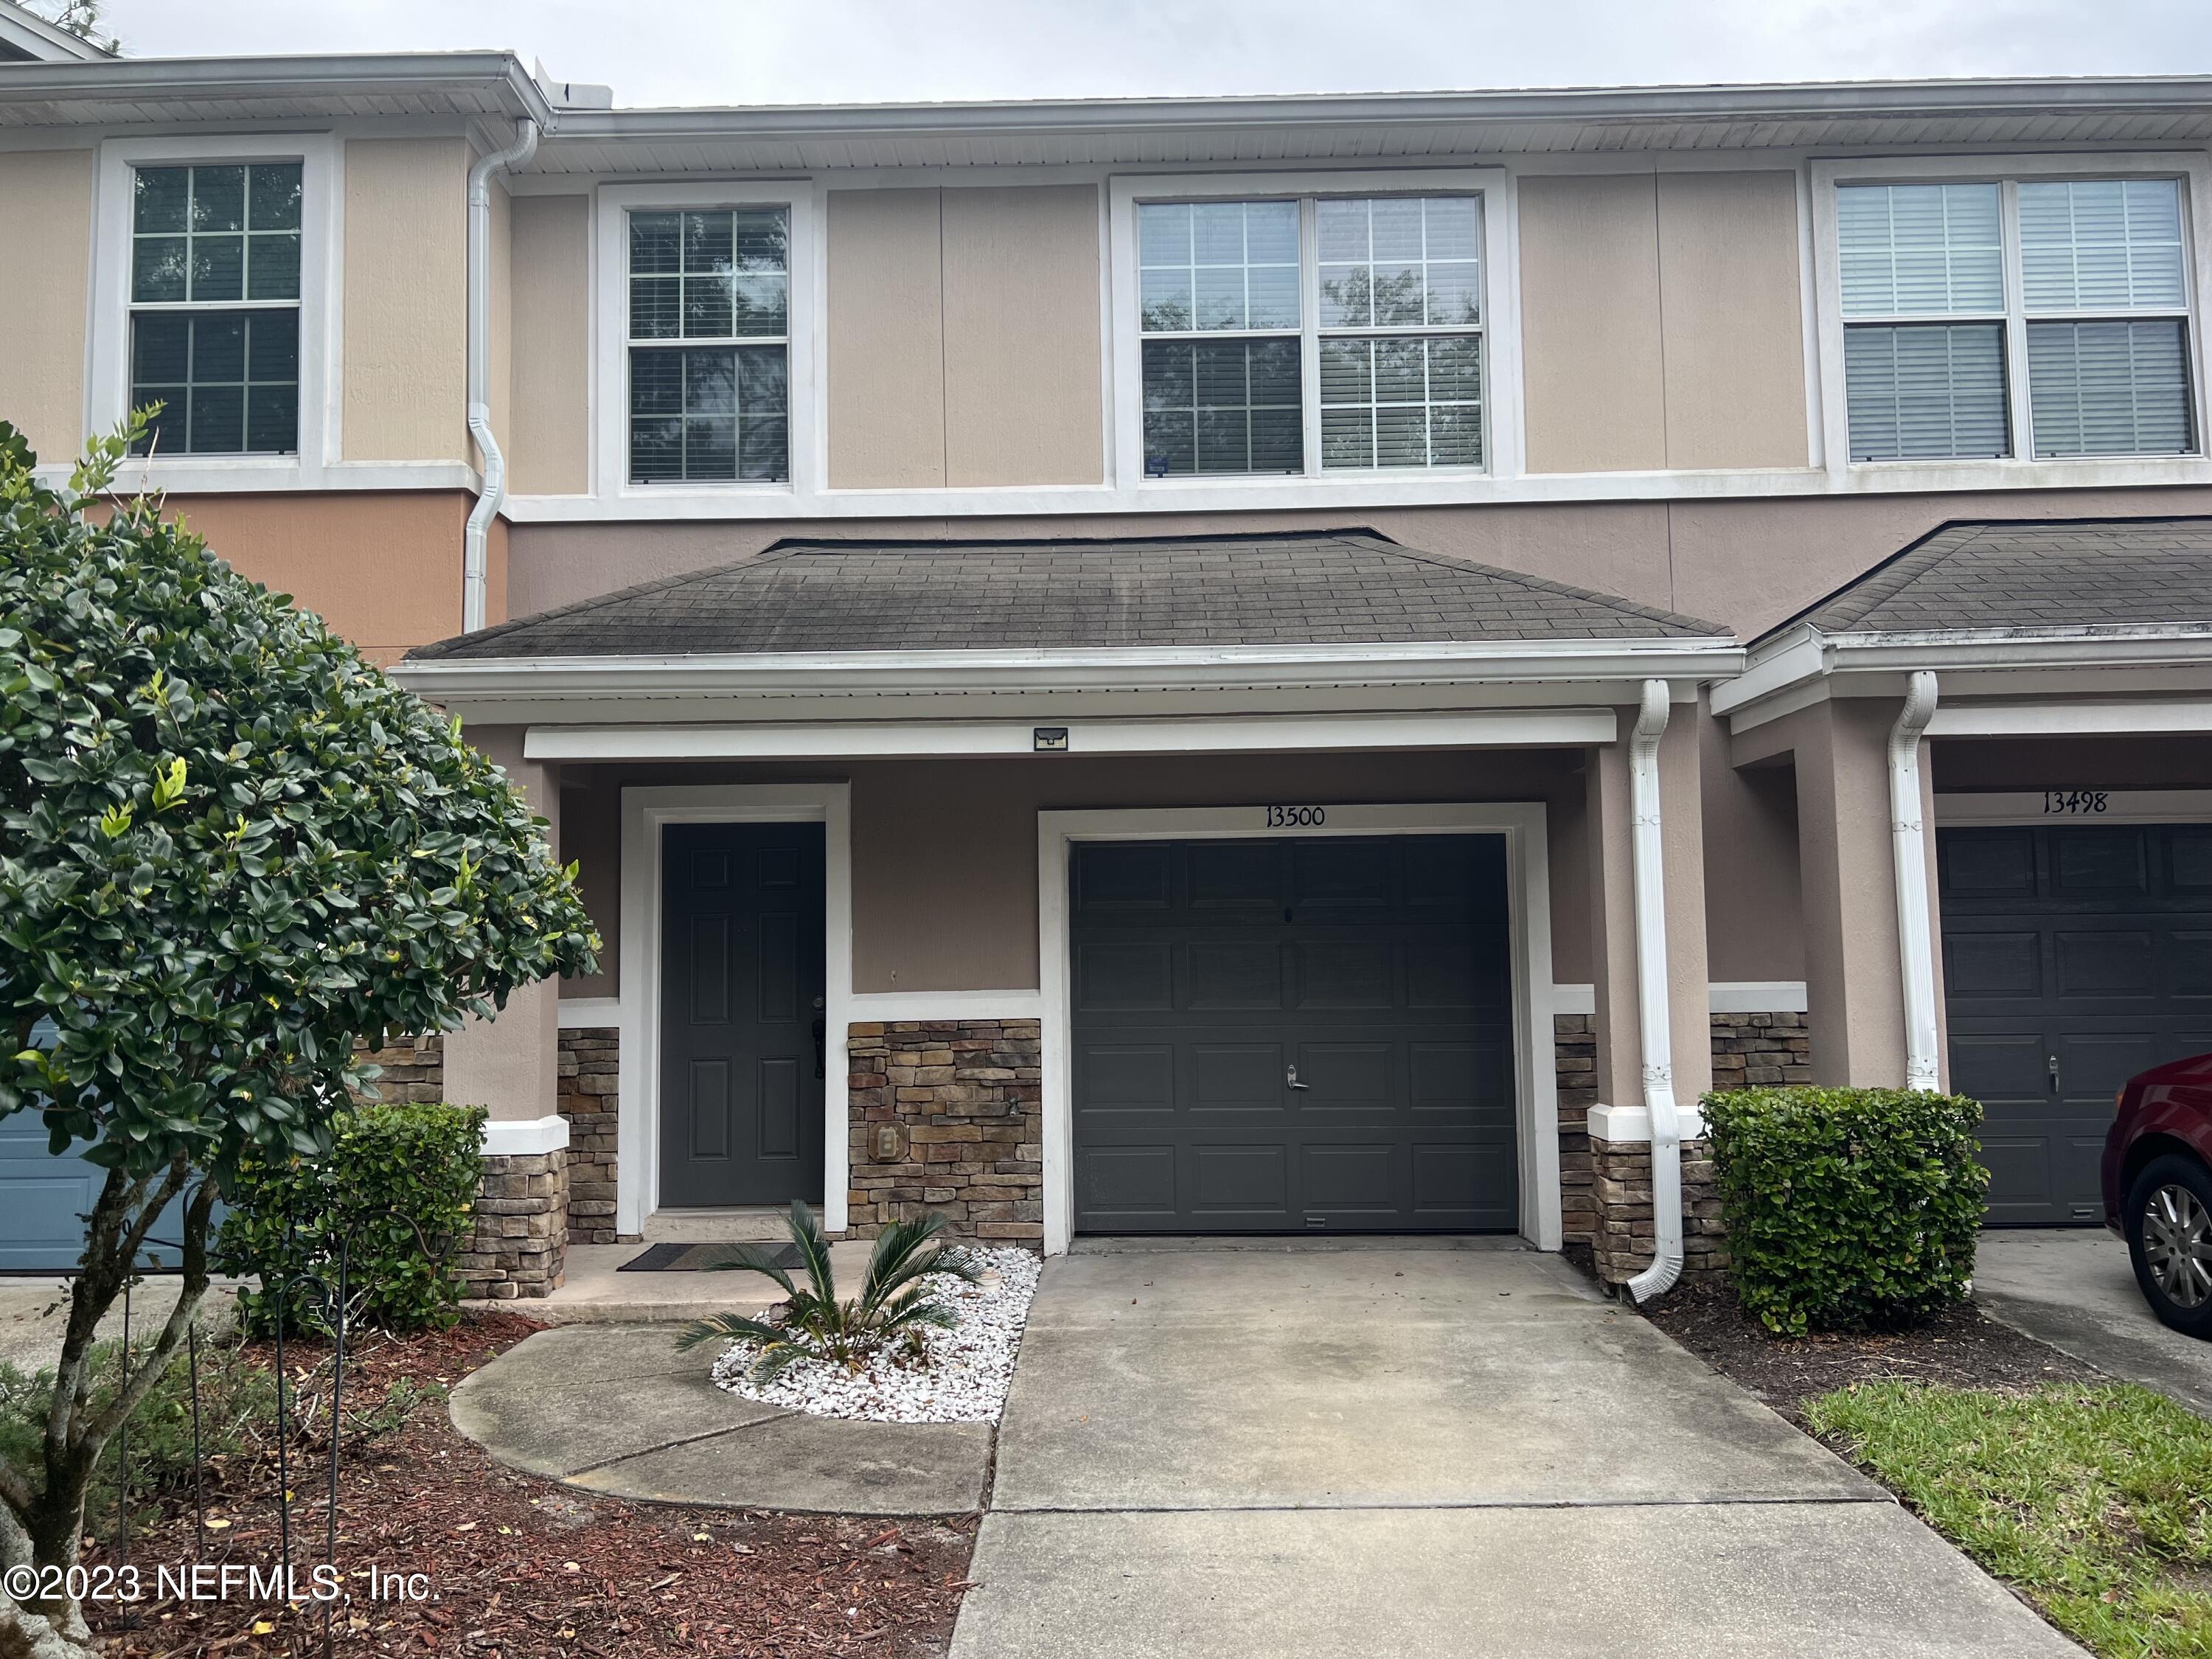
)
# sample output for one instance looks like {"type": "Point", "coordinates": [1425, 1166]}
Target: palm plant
{"type": "Point", "coordinates": [815, 1323]}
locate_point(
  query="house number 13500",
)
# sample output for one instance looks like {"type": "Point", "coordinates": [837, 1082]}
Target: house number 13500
{"type": "Point", "coordinates": [1297, 818]}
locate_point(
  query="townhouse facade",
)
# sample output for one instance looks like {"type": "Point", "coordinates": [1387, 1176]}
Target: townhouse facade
{"type": "Point", "coordinates": [1302, 664]}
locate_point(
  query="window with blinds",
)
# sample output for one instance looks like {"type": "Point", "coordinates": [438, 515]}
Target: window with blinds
{"type": "Point", "coordinates": [1988, 318]}
{"type": "Point", "coordinates": [214, 308]}
{"type": "Point", "coordinates": [710, 346]}
{"type": "Point", "coordinates": [1311, 333]}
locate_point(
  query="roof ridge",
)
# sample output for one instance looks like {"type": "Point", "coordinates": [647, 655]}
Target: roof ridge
{"type": "Point", "coordinates": [1549, 585]}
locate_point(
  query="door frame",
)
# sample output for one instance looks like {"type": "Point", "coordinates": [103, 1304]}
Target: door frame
{"type": "Point", "coordinates": [645, 812]}
{"type": "Point", "coordinates": [1529, 903]}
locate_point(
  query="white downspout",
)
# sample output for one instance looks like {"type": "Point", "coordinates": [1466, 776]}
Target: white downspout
{"type": "Point", "coordinates": [1654, 1030]}
{"type": "Point", "coordinates": [1908, 840]}
{"type": "Point", "coordinates": [474, 561]}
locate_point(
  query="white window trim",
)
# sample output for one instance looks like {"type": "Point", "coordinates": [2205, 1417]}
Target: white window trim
{"type": "Point", "coordinates": [2021, 469]}
{"type": "Point", "coordinates": [1500, 328]}
{"type": "Point", "coordinates": [645, 812]}
{"type": "Point", "coordinates": [1528, 899]}
{"type": "Point", "coordinates": [609, 390]}
{"type": "Point", "coordinates": [107, 370]}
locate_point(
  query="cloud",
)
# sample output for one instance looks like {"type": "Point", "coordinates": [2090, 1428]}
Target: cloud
{"type": "Point", "coordinates": [748, 51]}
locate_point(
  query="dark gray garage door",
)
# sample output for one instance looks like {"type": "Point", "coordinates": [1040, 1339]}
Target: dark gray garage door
{"type": "Point", "coordinates": [2074, 956]}
{"type": "Point", "coordinates": [1293, 1035]}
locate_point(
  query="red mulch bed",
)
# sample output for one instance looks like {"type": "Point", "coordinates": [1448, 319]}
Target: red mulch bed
{"type": "Point", "coordinates": [522, 1567]}
{"type": "Point", "coordinates": [1958, 1346]}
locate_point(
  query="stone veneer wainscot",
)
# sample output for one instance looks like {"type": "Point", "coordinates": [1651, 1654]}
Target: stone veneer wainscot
{"type": "Point", "coordinates": [947, 1116]}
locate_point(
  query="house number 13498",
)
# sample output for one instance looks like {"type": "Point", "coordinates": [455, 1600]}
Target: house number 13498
{"type": "Point", "coordinates": [1297, 818]}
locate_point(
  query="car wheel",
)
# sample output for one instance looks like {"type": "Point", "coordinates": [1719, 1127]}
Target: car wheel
{"type": "Point", "coordinates": [2169, 1225]}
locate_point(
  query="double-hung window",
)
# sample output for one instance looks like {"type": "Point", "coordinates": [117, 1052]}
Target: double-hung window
{"type": "Point", "coordinates": [1994, 317]}
{"type": "Point", "coordinates": [215, 306]}
{"type": "Point", "coordinates": [1311, 333]}
{"type": "Point", "coordinates": [709, 346]}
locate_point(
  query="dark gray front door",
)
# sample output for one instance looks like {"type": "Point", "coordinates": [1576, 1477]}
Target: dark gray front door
{"type": "Point", "coordinates": [1293, 1035]}
{"type": "Point", "coordinates": [2074, 955]}
{"type": "Point", "coordinates": [742, 1052]}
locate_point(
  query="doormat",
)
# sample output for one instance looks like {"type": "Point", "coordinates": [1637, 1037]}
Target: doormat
{"type": "Point", "coordinates": [697, 1258]}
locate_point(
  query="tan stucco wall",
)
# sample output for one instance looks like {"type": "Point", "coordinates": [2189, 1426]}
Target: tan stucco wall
{"type": "Point", "coordinates": [405, 326]}
{"type": "Point", "coordinates": [944, 890]}
{"type": "Point", "coordinates": [886, 339]}
{"type": "Point", "coordinates": [1021, 369]}
{"type": "Point", "coordinates": [963, 337]}
{"type": "Point", "coordinates": [548, 407]}
{"type": "Point", "coordinates": [382, 567]}
{"type": "Point", "coordinates": [46, 239]}
{"type": "Point", "coordinates": [1595, 381]}
{"type": "Point", "coordinates": [1732, 326]}
{"type": "Point", "coordinates": [1661, 321]}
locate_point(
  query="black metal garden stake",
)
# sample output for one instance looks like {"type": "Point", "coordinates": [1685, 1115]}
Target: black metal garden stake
{"type": "Point", "coordinates": [123, 1443]}
{"type": "Point", "coordinates": [199, 1461]}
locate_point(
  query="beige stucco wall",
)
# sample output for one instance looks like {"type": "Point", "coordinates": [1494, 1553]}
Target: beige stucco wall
{"type": "Point", "coordinates": [1594, 381]}
{"type": "Point", "coordinates": [1661, 321]}
{"type": "Point", "coordinates": [405, 324]}
{"type": "Point", "coordinates": [1731, 322]}
{"type": "Point", "coordinates": [549, 406]}
{"type": "Point", "coordinates": [1021, 401]}
{"type": "Point", "coordinates": [382, 567]}
{"type": "Point", "coordinates": [46, 239]}
{"type": "Point", "coordinates": [886, 339]}
{"type": "Point", "coordinates": [964, 339]}
{"type": "Point", "coordinates": [944, 888]}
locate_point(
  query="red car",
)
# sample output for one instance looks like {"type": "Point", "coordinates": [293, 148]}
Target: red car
{"type": "Point", "coordinates": [2158, 1189]}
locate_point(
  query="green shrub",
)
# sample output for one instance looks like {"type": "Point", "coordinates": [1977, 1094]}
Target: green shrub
{"type": "Point", "coordinates": [238, 1414]}
{"type": "Point", "coordinates": [399, 1186]}
{"type": "Point", "coordinates": [1847, 1208]}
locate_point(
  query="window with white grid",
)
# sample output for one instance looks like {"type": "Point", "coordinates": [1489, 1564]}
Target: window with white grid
{"type": "Point", "coordinates": [214, 308]}
{"type": "Point", "coordinates": [1311, 333]}
{"type": "Point", "coordinates": [2045, 317]}
{"type": "Point", "coordinates": [709, 346]}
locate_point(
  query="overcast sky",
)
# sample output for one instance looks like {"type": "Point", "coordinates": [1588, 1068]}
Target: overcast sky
{"type": "Point", "coordinates": [747, 52]}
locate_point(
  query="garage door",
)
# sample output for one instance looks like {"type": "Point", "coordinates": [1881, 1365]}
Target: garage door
{"type": "Point", "coordinates": [2074, 956]}
{"type": "Point", "coordinates": [1300, 1036]}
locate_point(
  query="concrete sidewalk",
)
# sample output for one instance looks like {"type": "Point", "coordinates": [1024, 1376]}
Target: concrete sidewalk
{"type": "Point", "coordinates": [1318, 1452]}
{"type": "Point", "coordinates": [616, 1409]}
{"type": "Point", "coordinates": [2074, 1288]}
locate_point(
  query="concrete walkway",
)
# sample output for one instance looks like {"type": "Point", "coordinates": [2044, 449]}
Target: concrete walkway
{"type": "Point", "coordinates": [2074, 1289]}
{"type": "Point", "coordinates": [615, 1409]}
{"type": "Point", "coordinates": [1305, 1452]}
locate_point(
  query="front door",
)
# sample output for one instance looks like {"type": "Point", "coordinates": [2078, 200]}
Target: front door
{"type": "Point", "coordinates": [742, 1040]}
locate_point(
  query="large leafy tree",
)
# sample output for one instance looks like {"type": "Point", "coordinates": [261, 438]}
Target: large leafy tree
{"type": "Point", "coordinates": [230, 851]}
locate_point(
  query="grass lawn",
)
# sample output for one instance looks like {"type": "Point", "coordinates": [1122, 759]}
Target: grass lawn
{"type": "Point", "coordinates": [2095, 1502]}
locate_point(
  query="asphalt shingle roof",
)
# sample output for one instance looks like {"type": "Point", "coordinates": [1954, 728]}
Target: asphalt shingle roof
{"type": "Point", "coordinates": [1332, 587]}
{"type": "Point", "coordinates": [2083, 572]}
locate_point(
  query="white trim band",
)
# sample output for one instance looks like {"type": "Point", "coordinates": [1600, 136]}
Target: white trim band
{"type": "Point", "coordinates": [1632, 1124]}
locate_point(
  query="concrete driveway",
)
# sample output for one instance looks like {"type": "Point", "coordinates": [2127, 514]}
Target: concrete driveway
{"type": "Point", "coordinates": [1276, 1451]}
{"type": "Point", "coordinates": [2073, 1288]}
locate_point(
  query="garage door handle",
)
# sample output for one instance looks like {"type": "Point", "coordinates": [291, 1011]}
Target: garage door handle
{"type": "Point", "coordinates": [2054, 1071]}
{"type": "Point", "coordinates": [1293, 1079]}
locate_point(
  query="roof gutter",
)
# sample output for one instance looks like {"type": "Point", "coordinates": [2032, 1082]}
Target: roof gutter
{"type": "Point", "coordinates": [586, 679]}
{"type": "Point", "coordinates": [1654, 1016]}
{"type": "Point", "coordinates": [476, 537]}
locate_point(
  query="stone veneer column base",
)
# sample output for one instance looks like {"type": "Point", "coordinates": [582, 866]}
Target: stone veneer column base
{"type": "Point", "coordinates": [947, 1116]}
{"type": "Point", "coordinates": [591, 1070]}
{"type": "Point", "coordinates": [1622, 1245]}
{"type": "Point", "coordinates": [521, 1243]}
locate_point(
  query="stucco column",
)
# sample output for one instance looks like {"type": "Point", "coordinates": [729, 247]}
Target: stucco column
{"type": "Point", "coordinates": [1853, 987]}
{"type": "Point", "coordinates": [511, 1065]}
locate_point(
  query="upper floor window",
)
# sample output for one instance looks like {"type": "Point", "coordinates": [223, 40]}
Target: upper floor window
{"type": "Point", "coordinates": [709, 346]}
{"type": "Point", "coordinates": [1988, 318]}
{"type": "Point", "coordinates": [1311, 333]}
{"type": "Point", "coordinates": [215, 306]}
